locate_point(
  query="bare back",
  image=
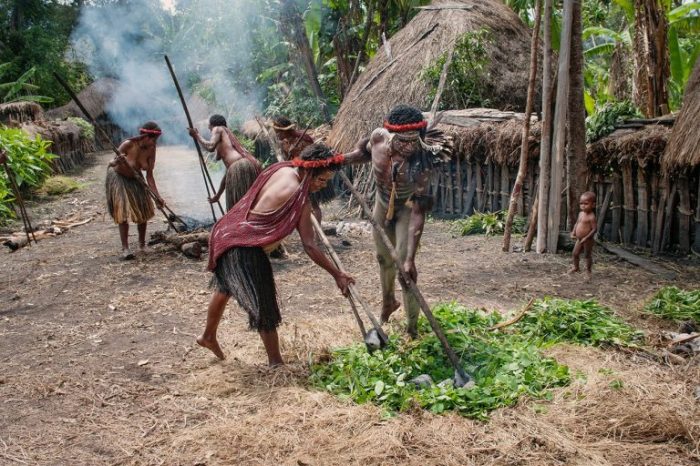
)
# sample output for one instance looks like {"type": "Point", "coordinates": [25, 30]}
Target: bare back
{"type": "Point", "coordinates": [278, 189]}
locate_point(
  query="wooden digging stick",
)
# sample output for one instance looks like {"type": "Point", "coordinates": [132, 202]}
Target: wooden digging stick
{"type": "Point", "coordinates": [294, 146]}
{"type": "Point", "coordinates": [20, 202]}
{"type": "Point", "coordinates": [354, 295]}
{"type": "Point", "coordinates": [202, 163]}
{"type": "Point", "coordinates": [408, 283]}
{"type": "Point", "coordinates": [137, 175]}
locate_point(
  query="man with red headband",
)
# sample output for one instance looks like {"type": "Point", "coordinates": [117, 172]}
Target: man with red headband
{"type": "Point", "coordinates": [127, 197]}
{"type": "Point", "coordinates": [276, 204]}
{"type": "Point", "coordinates": [402, 162]}
{"type": "Point", "coordinates": [241, 168]}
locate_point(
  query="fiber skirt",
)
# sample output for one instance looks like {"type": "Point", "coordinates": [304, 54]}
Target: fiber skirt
{"type": "Point", "coordinates": [240, 176]}
{"type": "Point", "coordinates": [246, 274]}
{"type": "Point", "coordinates": [127, 199]}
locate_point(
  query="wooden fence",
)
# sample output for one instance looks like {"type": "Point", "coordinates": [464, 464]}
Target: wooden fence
{"type": "Point", "coordinates": [636, 205]}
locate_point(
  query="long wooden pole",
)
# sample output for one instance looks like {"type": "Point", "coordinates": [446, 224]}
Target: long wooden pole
{"type": "Point", "coordinates": [410, 284]}
{"type": "Point", "coordinates": [546, 141]}
{"type": "Point", "coordinates": [524, 145]}
{"type": "Point", "coordinates": [559, 140]}
{"type": "Point", "coordinates": [202, 163]}
{"type": "Point", "coordinates": [137, 175]}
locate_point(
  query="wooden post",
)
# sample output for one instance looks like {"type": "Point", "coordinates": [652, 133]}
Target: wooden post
{"type": "Point", "coordinates": [480, 194]}
{"type": "Point", "coordinates": [532, 228]}
{"type": "Point", "coordinates": [602, 212]}
{"type": "Point", "coordinates": [489, 186]}
{"type": "Point", "coordinates": [628, 186]}
{"type": "Point", "coordinates": [670, 207]}
{"type": "Point", "coordinates": [450, 190]}
{"type": "Point", "coordinates": [559, 141]}
{"type": "Point", "coordinates": [505, 187]}
{"type": "Point", "coordinates": [659, 221]}
{"type": "Point", "coordinates": [471, 191]}
{"type": "Point", "coordinates": [545, 144]}
{"type": "Point", "coordinates": [460, 187]}
{"type": "Point", "coordinates": [685, 214]}
{"type": "Point", "coordinates": [642, 208]}
{"type": "Point", "coordinates": [653, 209]}
{"type": "Point", "coordinates": [616, 208]}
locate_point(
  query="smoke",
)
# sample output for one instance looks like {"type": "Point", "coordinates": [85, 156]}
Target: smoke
{"type": "Point", "coordinates": [209, 43]}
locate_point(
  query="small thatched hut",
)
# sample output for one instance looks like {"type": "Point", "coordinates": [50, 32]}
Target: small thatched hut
{"type": "Point", "coordinates": [389, 81]}
{"type": "Point", "coordinates": [68, 141]}
{"type": "Point", "coordinates": [20, 112]}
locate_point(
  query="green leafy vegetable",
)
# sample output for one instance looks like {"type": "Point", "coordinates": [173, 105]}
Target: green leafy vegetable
{"type": "Point", "coordinates": [488, 223]}
{"type": "Point", "coordinates": [673, 303]}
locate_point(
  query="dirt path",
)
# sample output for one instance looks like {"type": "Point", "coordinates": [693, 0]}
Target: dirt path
{"type": "Point", "coordinates": [98, 363]}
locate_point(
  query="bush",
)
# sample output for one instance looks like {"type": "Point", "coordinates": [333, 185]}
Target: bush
{"type": "Point", "coordinates": [57, 185]}
{"type": "Point", "coordinates": [488, 223]}
{"type": "Point", "coordinates": [28, 159]}
{"type": "Point", "coordinates": [86, 129]}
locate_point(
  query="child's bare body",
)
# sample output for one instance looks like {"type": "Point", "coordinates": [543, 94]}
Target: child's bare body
{"type": "Point", "coordinates": [584, 230]}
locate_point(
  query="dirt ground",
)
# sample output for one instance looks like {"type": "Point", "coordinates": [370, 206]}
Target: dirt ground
{"type": "Point", "coordinates": [98, 363]}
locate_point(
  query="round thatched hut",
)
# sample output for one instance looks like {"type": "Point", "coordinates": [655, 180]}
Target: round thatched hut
{"type": "Point", "coordinates": [95, 98]}
{"type": "Point", "coordinates": [20, 112]}
{"type": "Point", "coordinates": [389, 81]}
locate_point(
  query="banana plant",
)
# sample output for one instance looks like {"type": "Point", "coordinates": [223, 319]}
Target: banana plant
{"type": "Point", "coordinates": [21, 88]}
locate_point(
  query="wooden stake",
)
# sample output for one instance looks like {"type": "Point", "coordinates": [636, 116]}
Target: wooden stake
{"type": "Point", "coordinates": [546, 141]}
{"type": "Point", "coordinates": [628, 204]}
{"type": "Point", "coordinates": [642, 208]}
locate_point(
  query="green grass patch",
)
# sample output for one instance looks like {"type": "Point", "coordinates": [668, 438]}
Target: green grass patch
{"type": "Point", "coordinates": [675, 304]}
{"type": "Point", "coordinates": [488, 223]}
{"type": "Point", "coordinates": [505, 365]}
{"type": "Point", "coordinates": [57, 185]}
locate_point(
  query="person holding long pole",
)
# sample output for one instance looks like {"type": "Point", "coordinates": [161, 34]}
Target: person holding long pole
{"type": "Point", "coordinates": [241, 168]}
{"type": "Point", "coordinates": [127, 197]}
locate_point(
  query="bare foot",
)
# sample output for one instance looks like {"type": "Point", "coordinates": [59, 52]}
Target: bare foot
{"type": "Point", "coordinates": [211, 345]}
{"type": "Point", "coordinates": [573, 270]}
{"type": "Point", "coordinates": [388, 310]}
{"type": "Point", "coordinates": [588, 275]}
{"type": "Point", "coordinates": [126, 255]}
{"type": "Point", "coordinates": [275, 363]}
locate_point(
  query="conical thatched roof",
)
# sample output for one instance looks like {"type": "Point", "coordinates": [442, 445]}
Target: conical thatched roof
{"type": "Point", "coordinates": [683, 150]}
{"type": "Point", "coordinates": [386, 83]}
{"type": "Point", "coordinates": [95, 98]}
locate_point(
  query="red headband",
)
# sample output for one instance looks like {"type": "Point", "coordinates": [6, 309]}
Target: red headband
{"type": "Point", "coordinates": [405, 127]}
{"type": "Point", "coordinates": [337, 159]}
{"type": "Point", "coordinates": [150, 131]}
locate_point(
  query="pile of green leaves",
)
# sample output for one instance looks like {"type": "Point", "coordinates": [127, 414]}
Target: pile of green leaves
{"type": "Point", "coordinates": [504, 366]}
{"type": "Point", "coordinates": [488, 223]}
{"type": "Point", "coordinates": [673, 303]}
{"type": "Point", "coordinates": [28, 159]}
{"type": "Point", "coordinates": [603, 121]}
{"type": "Point", "coordinates": [466, 75]}
{"type": "Point", "coordinates": [553, 320]}
{"type": "Point", "coordinates": [86, 129]}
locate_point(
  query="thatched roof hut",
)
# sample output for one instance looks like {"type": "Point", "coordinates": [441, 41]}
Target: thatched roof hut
{"type": "Point", "coordinates": [20, 112]}
{"type": "Point", "coordinates": [68, 141]}
{"type": "Point", "coordinates": [95, 98]}
{"type": "Point", "coordinates": [387, 82]}
{"type": "Point", "coordinates": [683, 151]}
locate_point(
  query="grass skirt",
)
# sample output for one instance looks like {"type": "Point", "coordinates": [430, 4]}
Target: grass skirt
{"type": "Point", "coordinates": [127, 199]}
{"type": "Point", "coordinates": [240, 176]}
{"type": "Point", "coordinates": [246, 274]}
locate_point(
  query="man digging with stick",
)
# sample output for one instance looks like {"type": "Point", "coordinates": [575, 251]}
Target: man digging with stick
{"type": "Point", "coordinates": [275, 205]}
{"type": "Point", "coordinates": [241, 168]}
{"type": "Point", "coordinates": [127, 197]}
{"type": "Point", "coordinates": [402, 162]}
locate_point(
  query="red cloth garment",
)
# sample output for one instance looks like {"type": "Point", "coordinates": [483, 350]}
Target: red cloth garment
{"type": "Point", "coordinates": [241, 150]}
{"type": "Point", "coordinates": [242, 228]}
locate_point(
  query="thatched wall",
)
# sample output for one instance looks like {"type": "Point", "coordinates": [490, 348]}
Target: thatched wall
{"type": "Point", "coordinates": [20, 112]}
{"type": "Point", "coordinates": [683, 152]}
{"type": "Point", "coordinates": [67, 141]}
{"type": "Point", "coordinates": [385, 83]}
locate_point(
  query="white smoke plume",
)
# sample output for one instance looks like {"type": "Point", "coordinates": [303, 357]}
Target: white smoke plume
{"type": "Point", "coordinates": [208, 41]}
